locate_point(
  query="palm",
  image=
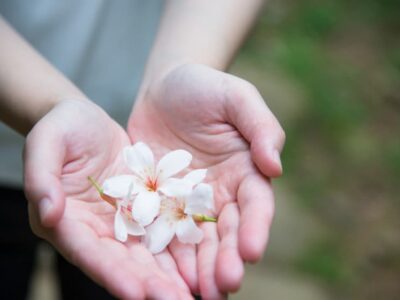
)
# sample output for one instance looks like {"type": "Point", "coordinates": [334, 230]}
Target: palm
{"type": "Point", "coordinates": [189, 110]}
{"type": "Point", "coordinates": [84, 234]}
{"type": "Point", "coordinates": [185, 114]}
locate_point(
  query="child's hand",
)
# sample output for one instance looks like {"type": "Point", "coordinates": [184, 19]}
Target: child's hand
{"type": "Point", "coordinates": [223, 121]}
{"type": "Point", "coordinates": [76, 139]}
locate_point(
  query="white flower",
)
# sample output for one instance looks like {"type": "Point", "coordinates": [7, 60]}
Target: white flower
{"type": "Point", "coordinates": [149, 179]}
{"type": "Point", "coordinates": [176, 217]}
{"type": "Point", "coordinates": [124, 224]}
{"type": "Point", "coordinates": [195, 177]}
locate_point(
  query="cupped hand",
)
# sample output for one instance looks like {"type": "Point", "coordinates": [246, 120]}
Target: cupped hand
{"type": "Point", "coordinates": [77, 139]}
{"type": "Point", "coordinates": [224, 122]}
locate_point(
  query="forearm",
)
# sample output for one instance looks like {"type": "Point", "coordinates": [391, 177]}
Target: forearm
{"type": "Point", "coordinates": [200, 31]}
{"type": "Point", "coordinates": [29, 85]}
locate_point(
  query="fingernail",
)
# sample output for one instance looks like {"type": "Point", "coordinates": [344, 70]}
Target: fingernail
{"type": "Point", "coordinates": [45, 206]}
{"type": "Point", "coordinates": [276, 156]}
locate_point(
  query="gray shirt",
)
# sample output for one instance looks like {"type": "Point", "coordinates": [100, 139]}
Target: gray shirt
{"type": "Point", "coordinates": [101, 45]}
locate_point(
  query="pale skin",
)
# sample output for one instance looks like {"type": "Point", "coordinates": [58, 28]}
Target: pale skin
{"type": "Point", "coordinates": [184, 102]}
{"type": "Point", "coordinates": [223, 121]}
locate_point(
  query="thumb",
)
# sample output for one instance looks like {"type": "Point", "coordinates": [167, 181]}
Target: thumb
{"type": "Point", "coordinates": [250, 115]}
{"type": "Point", "coordinates": [43, 160]}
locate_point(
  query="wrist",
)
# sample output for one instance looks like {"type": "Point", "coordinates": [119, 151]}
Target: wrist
{"type": "Point", "coordinates": [155, 73]}
{"type": "Point", "coordinates": [29, 85]}
{"type": "Point", "coordinates": [46, 104]}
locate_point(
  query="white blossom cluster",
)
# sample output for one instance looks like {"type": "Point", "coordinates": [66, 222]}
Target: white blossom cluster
{"type": "Point", "coordinates": [153, 204]}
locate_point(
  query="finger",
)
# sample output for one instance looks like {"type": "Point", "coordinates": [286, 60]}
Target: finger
{"type": "Point", "coordinates": [34, 221]}
{"type": "Point", "coordinates": [158, 289]}
{"type": "Point", "coordinates": [185, 257]}
{"type": "Point", "coordinates": [229, 270]}
{"type": "Point", "coordinates": [159, 274]}
{"type": "Point", "coordinates": [43, 161]}
{"type": "Point", "coordinates": [168, 265]}
{"type": "Point", "coordinates": [104, 260]}
{"type": "Point", "coordinates": [256, 204]}
{"type": "Point", "coordinates": [248, 112]}
{"type": "Point", "coordinates": [206, 261]}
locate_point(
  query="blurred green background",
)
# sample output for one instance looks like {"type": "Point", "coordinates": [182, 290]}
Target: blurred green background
{"type": "Point", "coordinates": [330, 71]}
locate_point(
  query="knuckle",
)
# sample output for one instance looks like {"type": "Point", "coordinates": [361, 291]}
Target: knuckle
{"type": "Point", "coordinates": [227, 228]}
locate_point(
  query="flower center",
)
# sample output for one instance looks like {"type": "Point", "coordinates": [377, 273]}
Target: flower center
{"type": "Point", "coordinates": [180, 213]}
{"type": "Point", "coordinates": [174, 206]}
{"type": "Point", "coordinates": [151, 184]}
{"type": "Point", "coordinates": [179, 209]}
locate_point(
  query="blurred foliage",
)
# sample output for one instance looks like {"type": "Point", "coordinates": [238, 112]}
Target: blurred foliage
{"type": "Point", "coordinates": [325, 259]}
{"type": "Point", "coordinates": [342, 155]}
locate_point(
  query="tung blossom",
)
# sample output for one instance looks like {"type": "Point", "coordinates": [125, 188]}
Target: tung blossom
{"type": "Point", "coordinates": [150, 179]}
{"type": "Point", "coordinates": [177, 216]}
{"type": "Point", "coordinates": [124, 223]}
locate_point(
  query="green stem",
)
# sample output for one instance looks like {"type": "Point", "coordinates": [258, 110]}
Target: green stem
{"type": "Point", "coordinates": [108, 199]}
{"type": "Point", "coordinates": [204, 218]}
{"type": "Point", "coordinates": [96, 185]}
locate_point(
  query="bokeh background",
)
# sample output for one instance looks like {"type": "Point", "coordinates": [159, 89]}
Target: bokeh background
{"type": "Point", "coordinates": [330, 71]}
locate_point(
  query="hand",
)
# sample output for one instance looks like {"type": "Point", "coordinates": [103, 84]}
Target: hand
{"type": "Point", "coordinates": [76, 139]}
{"type": "Point", "coordinates": [223, 121]}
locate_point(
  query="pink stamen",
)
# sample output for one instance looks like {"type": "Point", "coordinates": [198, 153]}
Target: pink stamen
{"type": "Point", "coordinates": [151, 184]}
{"type": "Point", "coordinates": [127, 211]}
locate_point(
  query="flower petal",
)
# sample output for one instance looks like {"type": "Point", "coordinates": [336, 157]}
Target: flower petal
{"type": "Point", "coordinates": [188, 232]}
{"type": "Point", "coordinates": [196, 176]}
{"type": "Point", "coordinates": [200, 201]}
{"type": "Point", "coordinates": [134, 228]}
{"type": "Point", "coordinates": [120, 231]}
{"type": "Point", "coordinates": [118, 186]}
{"type": "Point", "coordinates": [172, 163]}
{"type": "Point", "coordinates": [176, 187]}
{"type": "Point", "coordinates": [159, 234]}
{"type": "Point", "coordinates": [139, 186]}
{"type": "Point", "coordinates": [139, 158]}
{"type": "Point", "coordinates": [146, 207]}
